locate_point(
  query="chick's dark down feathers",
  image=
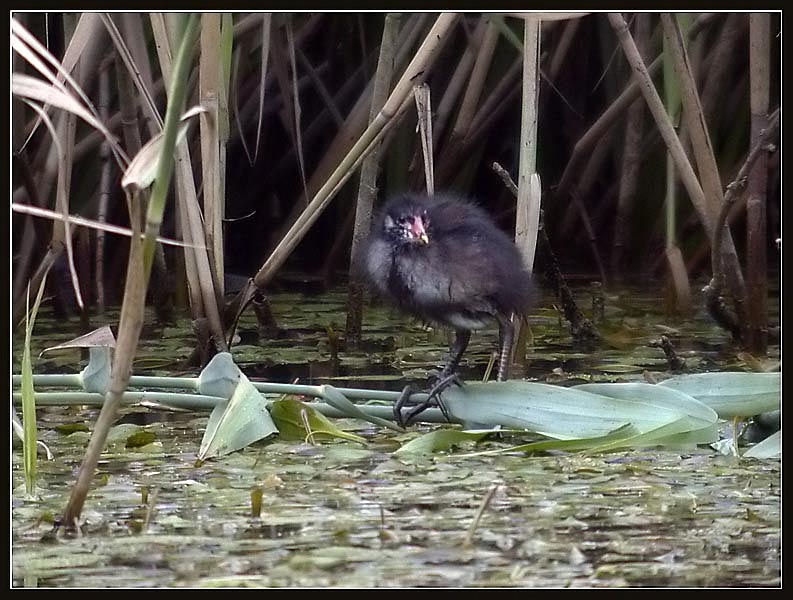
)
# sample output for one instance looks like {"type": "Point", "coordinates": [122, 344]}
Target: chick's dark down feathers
{"type": "Point", "coordinates": [466, 273]}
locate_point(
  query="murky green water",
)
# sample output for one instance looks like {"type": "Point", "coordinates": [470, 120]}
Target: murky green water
{"type": "Point", "coordinates": [339, 514]}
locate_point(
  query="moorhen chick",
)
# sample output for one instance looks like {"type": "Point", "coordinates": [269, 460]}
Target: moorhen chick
{"type": "Point", "coordinates": [443, 260]}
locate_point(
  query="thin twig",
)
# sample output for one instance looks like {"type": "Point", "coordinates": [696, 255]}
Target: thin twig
{"type": "Point", "coordinates": [737, 185]}
{"type": "Point", "coordinates": [424, 111]}
{"type": "Point", "coordinates": [482, 507]}
{"type": "Point", "coordinates": [675, 362]}
{"type": "Point", "coordinates": [581, 328]}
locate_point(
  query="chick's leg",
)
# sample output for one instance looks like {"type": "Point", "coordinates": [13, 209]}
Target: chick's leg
{"type": "Point", "coordinates": [461, 339]}
{"type": "Point", "coordinates": [506, 333]}
{"type": "Point", "coordinates": [446, 378]}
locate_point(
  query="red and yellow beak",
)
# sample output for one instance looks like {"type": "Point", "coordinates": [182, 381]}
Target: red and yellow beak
{"type": "Point", "coordinates": [417, 230]}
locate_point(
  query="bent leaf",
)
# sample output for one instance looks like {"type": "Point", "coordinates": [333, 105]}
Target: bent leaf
{"type": "Point", "coordinates": [237, 423]}
{"type": "Point", "coordinates": [299, 420]}
{"type": "Point", "coordinates": [143, 168]}
{"type": "Point", "coordinates": [339, 401]}
{"type": "Point", "coordinates": [95, 377]}
{"type": "Point", "coordinates": [32, 88]}
{"type": "Point", "coordinates": [220, 377]}
{"type": "Point", "coordinates": [97, 373]}
{"type": "Point", "coordinates": [100, 337]}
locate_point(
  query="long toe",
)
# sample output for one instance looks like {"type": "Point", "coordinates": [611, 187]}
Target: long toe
{"type": "Point", "coordinates": [418, 409]}
{"type": "Point", "coordinates": [403, 400]}
{"type": "Point", "coordinates": [433, 399]}
{"type": "Point", "coordinates": [437, 389]}
{"type": "Point", "coordinates": [442, 384]}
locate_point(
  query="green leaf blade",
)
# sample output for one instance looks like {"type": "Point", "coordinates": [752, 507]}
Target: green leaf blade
{"type": "Point", "coordinates": [29, 446]}
{"type": "Point", "coordinates": [732, 394]}
{"type": "Point", "coordinates": [586, 411]}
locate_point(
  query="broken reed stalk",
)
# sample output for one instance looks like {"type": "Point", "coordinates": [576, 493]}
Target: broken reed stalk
{"type": "Point", "coordinates": [756, 326]}
{"type": "Point", "coordinates": [367, 189]}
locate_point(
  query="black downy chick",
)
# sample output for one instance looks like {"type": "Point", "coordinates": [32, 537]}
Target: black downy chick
{"type": "Point", "coordinates": [445, 261]}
